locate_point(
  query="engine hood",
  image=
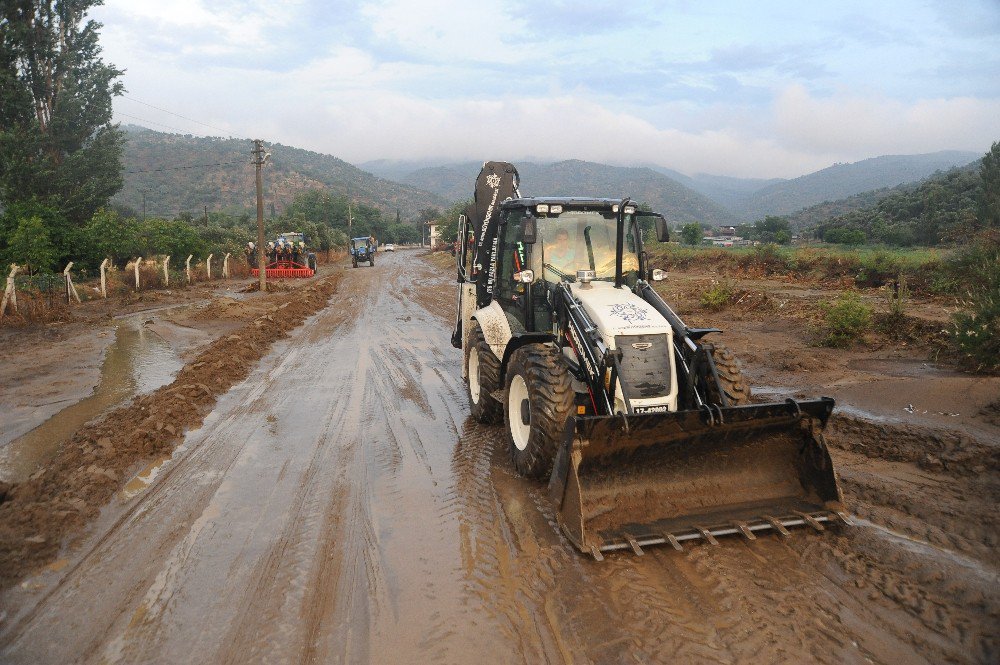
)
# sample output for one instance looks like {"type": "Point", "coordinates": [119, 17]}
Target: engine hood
{"type": "Point", "coordinates": [618, 311]}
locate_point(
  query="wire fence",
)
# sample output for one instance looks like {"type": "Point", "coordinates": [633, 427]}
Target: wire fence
{"type": "Point", "coordinates": [41, 297]}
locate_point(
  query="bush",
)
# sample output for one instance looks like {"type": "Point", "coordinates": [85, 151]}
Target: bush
{"type": "Point", "coordinates": [844, 236]}
{"type": "Point", "coordinates": [718, 296]}
{"type": "Point", "coordinates": [845, 320]}
{"type": "Point", "coordinates": [976, 328]}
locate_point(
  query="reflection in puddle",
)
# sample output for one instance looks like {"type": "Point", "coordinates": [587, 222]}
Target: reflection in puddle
{"type": "Point", "coordinates": [144, 478]}
{"type": "Point", "coordinates": [139, 361]}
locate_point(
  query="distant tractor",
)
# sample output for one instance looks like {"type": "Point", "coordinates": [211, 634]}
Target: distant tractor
{"type": "Point", "coordinates": [288, 256]}
{"type": "Point", "coordinates": [362, 249]}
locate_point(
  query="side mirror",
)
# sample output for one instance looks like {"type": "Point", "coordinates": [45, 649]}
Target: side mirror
{"type": "Point", "coordinates": [662, 232]}
{"type": "Point", "coordinates": [529, 230]}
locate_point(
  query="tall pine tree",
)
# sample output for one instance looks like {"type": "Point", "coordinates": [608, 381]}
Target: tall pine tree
{"type": "Point", "coordinates": [60, 156]}
{"type": "Point", "coordinates": [988, 208]}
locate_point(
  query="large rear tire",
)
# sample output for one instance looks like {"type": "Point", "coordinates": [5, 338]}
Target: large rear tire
{"type": "Point", "coordinates": [483, 378]}
{"type": "Point", "coordinates": [538, 398]}
{"type": "Point", "coordinates": [735, 385]}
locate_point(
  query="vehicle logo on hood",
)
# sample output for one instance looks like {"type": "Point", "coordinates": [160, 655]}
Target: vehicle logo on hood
{"type": "Point", "coordinates": [629, 312]}
{"type": "Point", "coordinates": [642, 346]}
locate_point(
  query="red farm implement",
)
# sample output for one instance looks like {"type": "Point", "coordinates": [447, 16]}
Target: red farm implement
{"type": "Point", "coordinates": [284, 269]}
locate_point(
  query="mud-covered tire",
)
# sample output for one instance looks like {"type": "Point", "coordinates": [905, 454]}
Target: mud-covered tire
{"type": "Point", "coordinates": [538, 398]}
{"type": "Point", "coordinates": [735, 385]}
{"type": "Point", "coordinates": [479, 358]}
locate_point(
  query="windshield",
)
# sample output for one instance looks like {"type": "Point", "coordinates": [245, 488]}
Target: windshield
{"type": "Point", "coordinates": [584, 240]}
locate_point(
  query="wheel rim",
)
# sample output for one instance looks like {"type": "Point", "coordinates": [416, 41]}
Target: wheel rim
{"type": "Point", "coordinates": [519, 412]}
{"type": "Point", "coordinates": [474, 387]}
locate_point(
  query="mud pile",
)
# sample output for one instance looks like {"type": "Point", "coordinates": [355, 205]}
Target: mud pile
{"type": "Point", "coordinates": [36, 516]}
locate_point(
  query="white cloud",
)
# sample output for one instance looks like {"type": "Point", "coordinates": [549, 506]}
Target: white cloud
{"type": "Point", "coordinates": [196, 27]}
{"type": "Point", "coordinates": [444, 30]}
{"type": "Point", "coordinates": [850, 124]}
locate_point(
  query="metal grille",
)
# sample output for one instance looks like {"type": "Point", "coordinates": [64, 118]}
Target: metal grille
{"type": "Point", "coordinates": [645, 369]}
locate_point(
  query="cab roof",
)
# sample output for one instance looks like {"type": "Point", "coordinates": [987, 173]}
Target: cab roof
{"type": "Point", "coordinates": [566, 201]}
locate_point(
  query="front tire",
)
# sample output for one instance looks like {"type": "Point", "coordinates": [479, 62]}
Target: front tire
{"type": "Point", "coordinates": [538, 398]}
{"type": "Point", "coordinates": [483, 378]}
{"type": "Point", "coordinates": [735, 385]}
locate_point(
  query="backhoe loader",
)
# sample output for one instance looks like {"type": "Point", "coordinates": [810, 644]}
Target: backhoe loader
{"type": "Point", "coordinates": [643, 427]}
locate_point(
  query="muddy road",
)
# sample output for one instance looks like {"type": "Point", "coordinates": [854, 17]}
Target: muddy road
{"type": "Point", "coordinates": [341, 506]}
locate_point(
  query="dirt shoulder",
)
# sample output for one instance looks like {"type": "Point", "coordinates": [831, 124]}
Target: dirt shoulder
{"type": "Point", "coordinates": [220, 333]}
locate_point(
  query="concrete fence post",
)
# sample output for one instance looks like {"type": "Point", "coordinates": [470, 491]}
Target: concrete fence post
{"type": "Point", "coordinates": [225, 266]}
{"type": "Point", "coordinates": [208, 266]}
{"type": "Point", "coordinates": [188, 267]}
{"type": "Point", "coordinates": [104, 277]}
{"type": "Point", "coordinates": [138, 262]}
{"type": "Point", "coordinates": [10, 293]}
{"type": "Point", "coordinates": [166, 270]}
{"type": "Point", "coordinates": [70, 289]}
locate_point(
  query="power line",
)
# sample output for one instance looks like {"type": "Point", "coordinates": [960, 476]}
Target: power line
{"type": "Point", "coordinates": [184, 117]}
{"type": "Point", "coordinates": [189, 166]}
{"type": "Point", "coordinates": [135, 117]}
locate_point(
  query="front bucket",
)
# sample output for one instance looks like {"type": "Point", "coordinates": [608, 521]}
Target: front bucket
{"type": "Point", "coordinates": [628, 482]}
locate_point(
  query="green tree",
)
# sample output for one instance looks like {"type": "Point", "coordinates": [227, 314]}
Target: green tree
{"type": "Point", "coordinates": [767, 229]}
{"type": "Point", "coordinates": [30, 245]}
{"type": "Point", "coordinates": [58, 147]}
{"type": "Point", "coordinates": [447, 221]}
{"type": "Point", "coordinates": [988, 199]}
{"type": "Point", "coordinates": [110, 236]}
{"type": "Point", "coordinates": [691, 234]}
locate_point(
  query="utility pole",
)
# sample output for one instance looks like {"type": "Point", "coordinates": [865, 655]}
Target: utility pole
{"type": "Point", "coordinates": [259, 157]}
{"type": "Point", "coordinates": [206, 215]}
{"type": "Point", "coordinates": [349, 221]}
{"type": "Point", "coordinates": [144, 206]}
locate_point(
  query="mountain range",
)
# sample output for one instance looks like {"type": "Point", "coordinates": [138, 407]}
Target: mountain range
{"type": "Point", "coordinates": [706, 198]}
{"type": "Point", "coordinates": [181, 173]}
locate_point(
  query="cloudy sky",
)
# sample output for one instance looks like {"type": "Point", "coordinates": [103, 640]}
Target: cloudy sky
{"type": "Point", "coordinates": [752, 89]}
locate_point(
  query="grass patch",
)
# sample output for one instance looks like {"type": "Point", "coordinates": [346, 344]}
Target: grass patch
{"type": "Point", "coordinates": [927, 270]}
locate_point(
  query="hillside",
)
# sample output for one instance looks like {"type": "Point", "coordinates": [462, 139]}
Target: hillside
{"type": "Point", "coordinates": [821, 212]}
{"type": "Point", "coordinates": [573, 177]}
{"type": "Point", "coordinates": [843, 180]}
{"type": "Point", "coordinates": [940, 209]}
{"type": "Point", "coordinates": [171, 170]}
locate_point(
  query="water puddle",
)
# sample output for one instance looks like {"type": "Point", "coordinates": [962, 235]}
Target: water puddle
{"type": "Point", "coordinates": [144, 478]}
{"type": "Point", "coordinates": [138, 361]}
{"type": "Point", "coordinates": [902, 368]}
